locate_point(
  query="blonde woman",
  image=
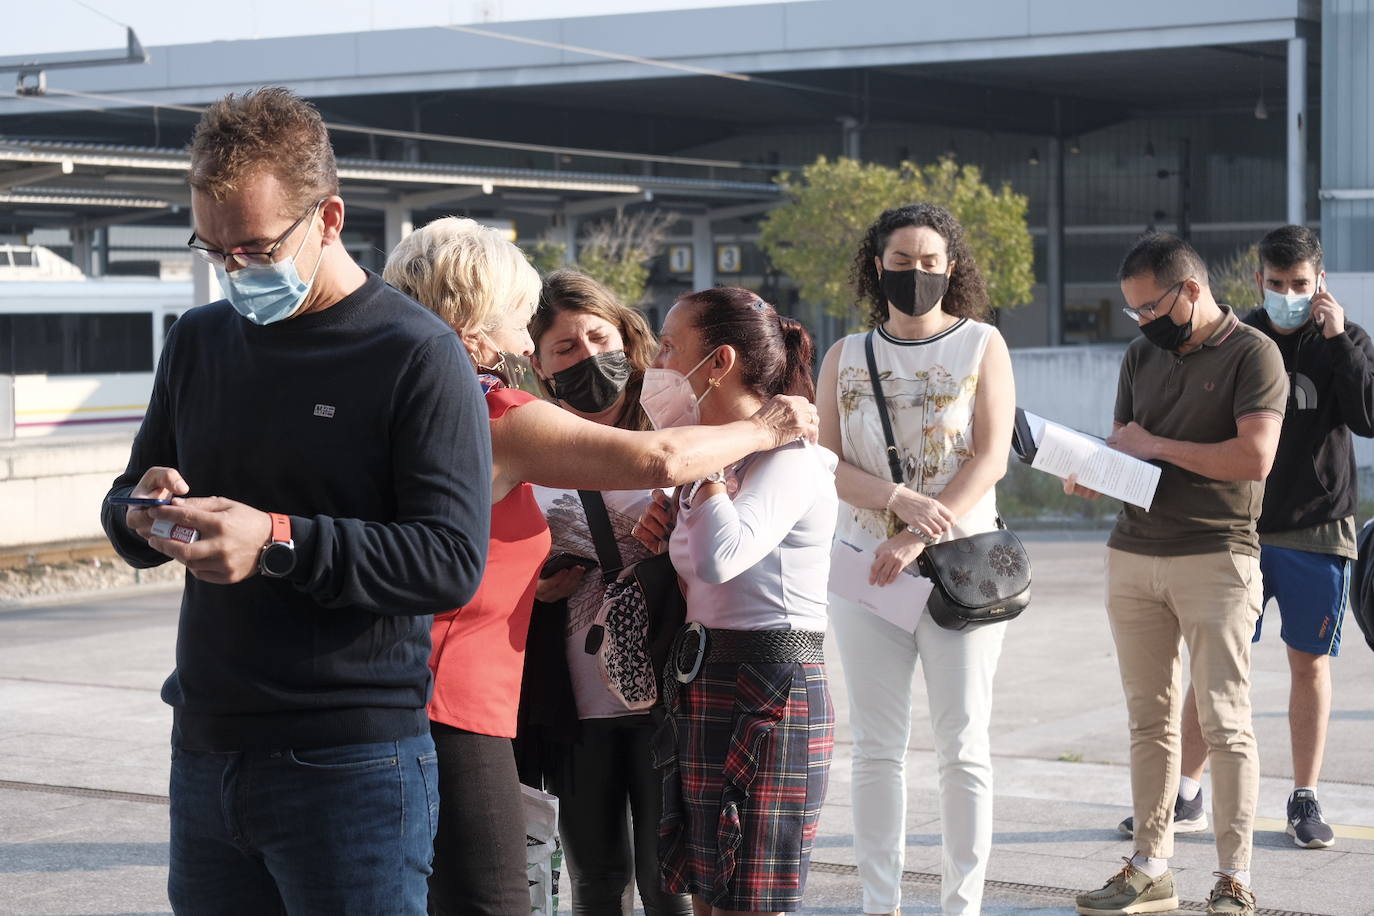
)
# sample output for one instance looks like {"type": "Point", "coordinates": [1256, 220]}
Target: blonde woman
{"type": "Point", "coordinates": [486, 290]}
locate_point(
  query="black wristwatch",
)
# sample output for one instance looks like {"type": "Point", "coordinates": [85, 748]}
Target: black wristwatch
{"type": "Point", "coordinates": [278, 557]}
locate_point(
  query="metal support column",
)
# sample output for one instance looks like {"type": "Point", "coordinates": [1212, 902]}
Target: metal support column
{"type": "Point", "coordinates": [1297, 131]}
{"type": "Point", "coordinates": [204, 283]}
{"type": "Point", "coordinates": [703, 254]}
{"type": "Point", "coordinates": [1054, 243]}
{"type": "Point", "coordinates": [567, 235]}
{"type": "Point", "coordinates": [100, 263]}
{"type": "Point", "coordinates": [399, 224]}
{"type": "Point", "coordinates": [81, 248]}
{"type": "Point", "coordinates": [851, 139]}
{"type": "Point", "coordinates": [1185, 188]}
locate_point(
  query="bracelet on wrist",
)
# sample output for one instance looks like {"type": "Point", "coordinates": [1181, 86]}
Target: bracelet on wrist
{"type": "Point", "coordinates": [891, 497]}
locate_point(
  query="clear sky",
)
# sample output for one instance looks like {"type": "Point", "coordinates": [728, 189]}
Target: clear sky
{"type": "Point", "coordinates": [48, 26]}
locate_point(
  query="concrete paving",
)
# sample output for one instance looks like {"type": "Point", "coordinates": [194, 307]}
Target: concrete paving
{"type": "Point", "coordinates": [83, 764]}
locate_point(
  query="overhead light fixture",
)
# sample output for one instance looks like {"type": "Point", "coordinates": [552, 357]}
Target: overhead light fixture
{"type": "Point", "coordinates": [1034, 158]}
{"type": "Point", "coordinates": [1074, 146]}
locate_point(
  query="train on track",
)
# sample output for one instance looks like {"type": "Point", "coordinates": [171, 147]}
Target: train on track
{"type": "Point", "coordinates": [78, 353]}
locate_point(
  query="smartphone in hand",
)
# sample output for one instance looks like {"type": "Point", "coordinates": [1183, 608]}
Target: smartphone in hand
{"type": "Point", "coordinates": [141, 502]}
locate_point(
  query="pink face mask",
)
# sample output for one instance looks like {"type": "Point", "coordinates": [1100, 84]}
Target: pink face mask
{"type": "Point", "coordinates": [667, 397]}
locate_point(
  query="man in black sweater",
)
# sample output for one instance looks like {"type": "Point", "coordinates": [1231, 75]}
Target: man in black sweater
{"type": "Point", "coordinates": [1307, 526]}
{"type": "Point", "coordinates": [336, 443]}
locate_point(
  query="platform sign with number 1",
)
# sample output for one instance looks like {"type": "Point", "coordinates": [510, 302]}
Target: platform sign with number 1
{"type": "Point", "coordinates": [680, 259]}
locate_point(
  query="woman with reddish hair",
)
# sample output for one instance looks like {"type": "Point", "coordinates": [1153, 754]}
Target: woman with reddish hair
{"type": "Point", "coordinates": [745, 746]}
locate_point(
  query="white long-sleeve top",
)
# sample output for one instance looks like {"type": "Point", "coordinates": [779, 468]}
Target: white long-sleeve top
{"type": "Point", "coordinates": [761, 560]}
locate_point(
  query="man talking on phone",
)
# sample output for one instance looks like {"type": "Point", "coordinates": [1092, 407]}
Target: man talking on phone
{"type": "Point", "coordinates": [1307, 528]}
{"type": "Point", "coordinates": [325, 438]}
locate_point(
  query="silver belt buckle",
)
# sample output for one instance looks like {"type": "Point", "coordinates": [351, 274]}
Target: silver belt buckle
{"type": "Point", "coordinates": [689, 653]}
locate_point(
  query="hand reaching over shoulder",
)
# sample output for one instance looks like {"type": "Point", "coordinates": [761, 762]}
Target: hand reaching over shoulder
{"type": "Point", "coordinates": [788, 418]}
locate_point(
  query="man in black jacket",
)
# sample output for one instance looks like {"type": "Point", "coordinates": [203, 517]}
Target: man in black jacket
{"type": "Point", "coordinates": [337, 446]}
{"type": "Point", "coordinates": [1307, 526]}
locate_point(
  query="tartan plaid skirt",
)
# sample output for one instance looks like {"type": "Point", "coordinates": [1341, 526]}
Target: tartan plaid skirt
{"type": "Point", "coordinates": [744, 752]}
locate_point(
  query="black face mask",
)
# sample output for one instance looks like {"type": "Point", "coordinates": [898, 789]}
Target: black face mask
{"type": "Point", "coordinates": [914, 292]}
{"type": "Point", "coordinates": [1163, 333]}
{"type": "Point", "coordinates": [593, 384]}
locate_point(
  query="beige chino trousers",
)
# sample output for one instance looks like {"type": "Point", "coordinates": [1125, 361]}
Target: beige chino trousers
{"type": "Point", "coordinates": [1211, 601]}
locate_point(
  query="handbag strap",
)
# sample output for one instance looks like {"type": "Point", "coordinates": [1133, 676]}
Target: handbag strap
{"type": "Point", "coordinates": [894, 460]}
{"type": "Point", "coordinates": [603, 537]}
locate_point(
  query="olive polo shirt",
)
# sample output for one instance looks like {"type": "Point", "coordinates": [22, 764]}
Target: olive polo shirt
{"type": "Point", "coordinates": [1198, 397]}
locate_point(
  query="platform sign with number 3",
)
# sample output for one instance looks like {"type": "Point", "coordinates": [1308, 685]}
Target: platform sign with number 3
{"type": "Point", "coordinates": [729, 259]}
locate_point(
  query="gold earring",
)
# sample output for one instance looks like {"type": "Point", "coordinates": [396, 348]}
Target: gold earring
{"type": "Point", "coordinates": [713, 382]}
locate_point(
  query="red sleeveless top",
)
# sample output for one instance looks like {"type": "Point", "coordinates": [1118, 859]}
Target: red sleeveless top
{"type": "Point", "coordinates": [479, 649]}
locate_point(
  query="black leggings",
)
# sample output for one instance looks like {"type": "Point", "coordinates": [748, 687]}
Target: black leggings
{"type": "Point", "coordinates": [479, 850]}
{"type": "Point", "coordinates": [609, 770]}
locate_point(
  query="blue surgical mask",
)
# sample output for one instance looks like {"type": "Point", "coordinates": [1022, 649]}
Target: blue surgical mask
{"type": "Point", "coordinates": [1287, 310]}
{"type": "Point", "coordinates": [270, 293]}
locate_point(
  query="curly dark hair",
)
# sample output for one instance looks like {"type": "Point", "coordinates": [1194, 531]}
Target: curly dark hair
{"type": "Point", "coordinates": [967, 296]}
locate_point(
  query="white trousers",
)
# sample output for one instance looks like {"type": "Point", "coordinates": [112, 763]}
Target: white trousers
{"type": "Point", "coordinates": [879, 661]}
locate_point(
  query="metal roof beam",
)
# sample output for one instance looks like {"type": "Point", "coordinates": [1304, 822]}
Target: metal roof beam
{"type": "Point", "coordinates": [742, 210]}
{"type": "Point", "coordinates": [598, 204]}
{"type": "Point", "coordinates": [18, 177]}
{"type": "Point", "coordinates": [426, 199]}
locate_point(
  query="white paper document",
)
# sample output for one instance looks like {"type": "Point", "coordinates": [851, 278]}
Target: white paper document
{"type": "Point", "coordinates": [1062, 451]}
{"type": "Point", "coordinates": [900, 603]}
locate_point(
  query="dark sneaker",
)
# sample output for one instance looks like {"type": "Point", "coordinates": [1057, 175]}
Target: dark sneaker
{"type": "Point", "coordinates": [1130, 891]}
{"type": "Point", "coordinates": [1306, 825]}
{"type": "Point", "coordinates": [1189, 817]}
{"type": "Point", "coordinates": [1230, 897]}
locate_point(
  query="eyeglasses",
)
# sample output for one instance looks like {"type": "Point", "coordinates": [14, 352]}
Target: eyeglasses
{"type": "Point", "coordinates": [249, 258]}
{"type": "Point", "coordinates": [1149, 309]}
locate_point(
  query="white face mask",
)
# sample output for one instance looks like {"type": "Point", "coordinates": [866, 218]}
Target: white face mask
{"type": "Point", "coordinates": [667, 397]}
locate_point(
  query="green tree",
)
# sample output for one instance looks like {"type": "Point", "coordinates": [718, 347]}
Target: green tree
{"type": "Point", "coordinates": [1233, 281]}
{"type": "Point", "coordinates": [546, 255]}
{"type": "Point", "coordinates": [614, 252]}
{"type": "Point", "coordinates": [814, 235]}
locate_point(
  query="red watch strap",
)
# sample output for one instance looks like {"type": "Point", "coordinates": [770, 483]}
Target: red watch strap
{"type": "Point", "coordinates": [281, 528]}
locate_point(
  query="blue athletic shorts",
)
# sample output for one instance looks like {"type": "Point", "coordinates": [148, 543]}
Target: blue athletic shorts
{"type": "Point", "coordinates": [1312, 591]}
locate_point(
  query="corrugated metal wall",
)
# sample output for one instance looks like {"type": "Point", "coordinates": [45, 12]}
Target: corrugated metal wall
{"type": "Point", "coordinates": [1348, 132]}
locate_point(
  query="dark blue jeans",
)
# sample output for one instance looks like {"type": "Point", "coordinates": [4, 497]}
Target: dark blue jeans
{"type": "Point", "coordinates": [328, 830]}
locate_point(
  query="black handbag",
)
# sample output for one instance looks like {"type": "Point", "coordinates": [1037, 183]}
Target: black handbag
{"type": "Point", "coordinates": [643, 603]}
{"type": "Point", "coordinates": [981, 579]}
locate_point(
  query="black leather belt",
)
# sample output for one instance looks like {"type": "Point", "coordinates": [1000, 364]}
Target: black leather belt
{"type": "Point", "coordinates": [696, 646]}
